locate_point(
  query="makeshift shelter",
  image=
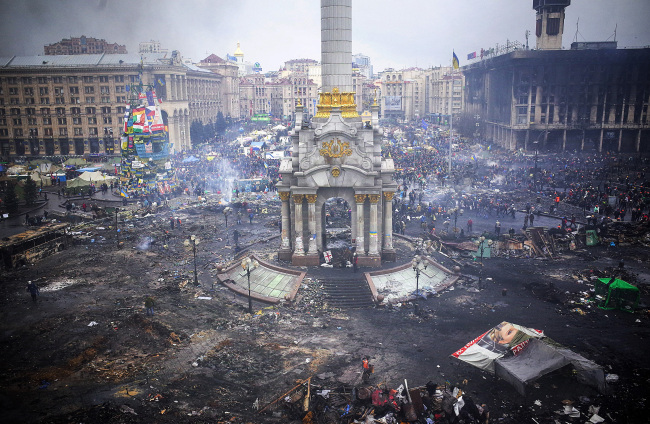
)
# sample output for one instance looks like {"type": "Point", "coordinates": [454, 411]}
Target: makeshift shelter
{"type": "Point", "coordinates": [76, 185]}
{"type": "Point", "coordinates": [190, 159]}
{"type": "Point", "coordinates": [75, 162]}
{"type": "Point", "coordinates": [521, 355]}
{"type": "Point", "coordinates": [613, 293]}
{"type": "Point", "coordinates": [96, 177]}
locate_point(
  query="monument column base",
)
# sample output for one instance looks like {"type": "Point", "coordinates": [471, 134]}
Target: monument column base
{"type": "Point", "coordinates": [389, 255]}
{"type": "Point", "coordinates": [285, 254]}
{"type": "Point", "coordinates": [371, 261]}
{"type": "Point", "coordinates": [305, 260]}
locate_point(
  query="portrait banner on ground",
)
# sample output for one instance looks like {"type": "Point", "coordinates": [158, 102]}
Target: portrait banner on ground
{"type": "Point", "coordinates": [504, 339]}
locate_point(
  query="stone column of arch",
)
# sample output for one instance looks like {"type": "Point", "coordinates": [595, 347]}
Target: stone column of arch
{"type": "Point", "coordinates": [360, 200]}
{"type": "Point", "coordinates": [299, 247]}
{"type": "Point", "coordinates": [311, 204]}
{"type": "Point", "coordinates": [286, 244]}
{"type": "Point", "coordinates": [373, 247]}
{"type": "Point", "coordinates": [388, 220]}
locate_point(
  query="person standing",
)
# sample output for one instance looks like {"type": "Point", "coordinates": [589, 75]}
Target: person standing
{"type": "Point", "coordinates": [355, 262]}
{"type": "Point", "coordinates": [469, 225]}
{"type": "Point", "coordinates": [368, 369]}
{"type": "Point", "coordinates": [497, 228]}
{"type": "Point", "coordinates": [33, 289]}
{"type": "Point", "coordinates": [149, 303]}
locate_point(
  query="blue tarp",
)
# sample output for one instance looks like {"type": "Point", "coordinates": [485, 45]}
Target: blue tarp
{"type": "Point", "coordinates": [257, 145]}
{"type": "Point", "coordinates": [88, 169]}
{"type": "Point", "coordinates": [190, 159]}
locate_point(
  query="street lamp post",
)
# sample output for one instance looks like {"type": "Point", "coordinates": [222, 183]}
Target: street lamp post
{"type": "Point", "coordinates": [481, 248]}
{"type": "Point", "coordinates": [193, 240]}
{"type": "Point", "coordinates": [455, 212]}
{"type": "Point", "coordinates": [117, 230]}
{"type": "Point", "coordinates": [249, 265]}
{"type": "Point", "coordinates": [419, 264]}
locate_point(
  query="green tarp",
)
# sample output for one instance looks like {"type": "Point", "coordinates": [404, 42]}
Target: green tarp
{"type": "Point", "coordinates": [616, 294]}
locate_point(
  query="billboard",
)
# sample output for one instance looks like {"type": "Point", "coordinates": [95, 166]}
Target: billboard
{"type": "Point", "coordinates": [393, 102]}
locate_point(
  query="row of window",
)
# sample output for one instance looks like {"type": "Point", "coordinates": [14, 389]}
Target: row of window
{"type": "Point", "coordinates": [48, 132]}
{"type": "Point", "coordinates": [46, 111]}
{"type": "Point", "coordinates": [88, 79]}
{"type": "Point", "coordinates": [62, 100]}
{"type": "Point", "coordinates": [61, 121]}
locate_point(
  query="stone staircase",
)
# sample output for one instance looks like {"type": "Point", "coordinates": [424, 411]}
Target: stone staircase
{"type": "Point", "coordinates": [347, 292]}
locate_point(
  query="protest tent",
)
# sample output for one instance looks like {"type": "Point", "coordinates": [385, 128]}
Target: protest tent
{"type": "Point", "coordinates": [613, 293]}
{"type": "Point", "coordinates": [96, 177]}
{"type": "Point", "coordinates": [521, 355]}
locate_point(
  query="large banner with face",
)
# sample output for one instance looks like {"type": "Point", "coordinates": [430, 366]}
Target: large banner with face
{"type": "Point", "coordinates": [504, 339]}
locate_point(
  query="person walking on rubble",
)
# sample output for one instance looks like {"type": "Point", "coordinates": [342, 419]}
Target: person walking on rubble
{"type": "Point", "coordinates": [149, 304]}
{"type": "Point", "coordinates": [33, 289]}
{"type": "Point", "coordinates": [368, 369]}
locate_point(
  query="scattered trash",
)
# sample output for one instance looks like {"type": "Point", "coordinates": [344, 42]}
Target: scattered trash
{"type": "Point", "coordinates": [92, 323]}
{"type": "Point", "coordinates": [611, 378]}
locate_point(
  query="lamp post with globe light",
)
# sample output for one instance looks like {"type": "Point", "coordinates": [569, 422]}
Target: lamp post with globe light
{"type": "Point", "coordinates": [481, 248]}
{"type": "Point", "coordinates": [193, 241]}
{"type": "Point", "coordinates": [419, 264]}
{"type": "Point", "coordinates": [249, 265]}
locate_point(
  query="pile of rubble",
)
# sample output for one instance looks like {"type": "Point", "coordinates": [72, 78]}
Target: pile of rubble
{"type": "Point", "coordinates": [308, 402]}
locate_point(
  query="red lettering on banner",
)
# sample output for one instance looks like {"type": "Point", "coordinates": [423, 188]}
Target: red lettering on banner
{"type": "Point", "coordinates": [464, 348]}
{"type": "Point", "coordinates": [521, 346]}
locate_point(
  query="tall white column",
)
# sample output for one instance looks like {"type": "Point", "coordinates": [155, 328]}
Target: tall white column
{"type": "Point", "coordinates": [299, 247]}
{"type": "Point", "coordinates": [336, 44]}
{"type": "Point", "coordinates": [311, 204]}
{"type": "Point", "coordinates": [361, 246]}
{"type": "Point", "coordinates": [373, 247]}
{"type": "Point", "coordinates": [388, 220]}
{"type": "Point", "coordinates": [284, 196]}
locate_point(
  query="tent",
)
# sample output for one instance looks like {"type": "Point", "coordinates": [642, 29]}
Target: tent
{"type": "Point", "coordinates": [521, 355]}
{"type": "Point", "coordinates": [96, 177]}
{"type": "Point", "coordinates": [190, 159]}
{"type": "Point", "coordinates": [75, 162]}
{"type": "Point", "coordinates": [613, 293]}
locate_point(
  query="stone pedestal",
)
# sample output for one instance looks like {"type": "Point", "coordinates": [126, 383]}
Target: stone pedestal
{"type": "Point", "coordinates": [371, 261]}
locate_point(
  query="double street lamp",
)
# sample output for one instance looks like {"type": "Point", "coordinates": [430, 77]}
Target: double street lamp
{"type": "Point", "coordinates": [481, 248]}
{"type": "Point", "coordinates": [419, 264]}
{"type": "Point", "coordinates": [249, 265]}
{"type": "Point", "coordinates": [455, 212]}
{"type": "Point", "coordinates": [193, 240]}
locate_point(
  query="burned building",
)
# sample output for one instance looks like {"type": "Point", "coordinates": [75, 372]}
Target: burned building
{"type": "Point", "coordinates": [578, 99]}
{"type": "Point", "coordinates": [590, 97]}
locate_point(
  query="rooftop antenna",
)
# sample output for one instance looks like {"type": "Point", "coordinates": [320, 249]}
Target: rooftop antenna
{"type": "Point", "coordinates": [615, 29]}
{"type": "Point", "coordinates": [527, 34]}
{"type": "Point", "coordinates": [575, 39]}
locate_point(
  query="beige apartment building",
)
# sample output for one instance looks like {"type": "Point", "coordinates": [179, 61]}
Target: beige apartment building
{"type": "Point", "coordinates": [415, 93]}
{"type": "Point", "coordinates": [74, 104]}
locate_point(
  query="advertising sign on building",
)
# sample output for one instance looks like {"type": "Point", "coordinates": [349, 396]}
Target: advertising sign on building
{"type": "Point", "coordinates": [393, 102]}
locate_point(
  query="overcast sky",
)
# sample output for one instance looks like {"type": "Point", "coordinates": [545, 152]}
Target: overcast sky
{"type": "Point", "coordinates": [395, 34]}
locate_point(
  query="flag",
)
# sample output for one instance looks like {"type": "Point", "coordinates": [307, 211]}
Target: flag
{"type": "Point", "coordinates": [455, 63]}
{"type": "Point", "coordinates": [266, 166]}
{"type": "Point", "coordinates": [150, 98]}
{"type": "Point", "coordinates": [471, 56]}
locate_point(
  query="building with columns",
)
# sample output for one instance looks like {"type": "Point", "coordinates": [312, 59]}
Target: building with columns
{"type": "Point", "coordinates": [336, 156]}
{"type": "Point", "coordinates": [74, 105]}
{"type": "Point", "coordinates": [592, 97]}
